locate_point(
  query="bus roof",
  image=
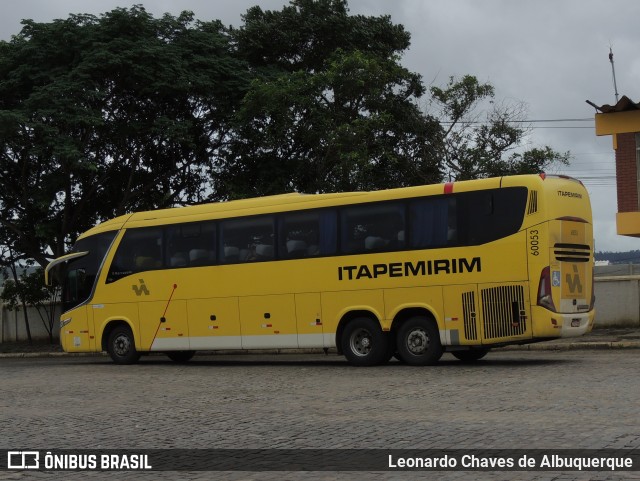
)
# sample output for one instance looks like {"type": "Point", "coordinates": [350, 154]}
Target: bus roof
{"type": "Point", "coordinates": [298, 201]}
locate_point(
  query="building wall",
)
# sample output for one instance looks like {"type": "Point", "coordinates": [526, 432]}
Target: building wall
{"type": "Point", "coordinates": [13, 328]}
{"type": "Point", "coordinates": [626, 173]}
{"type": "Point", "coordinates": [617, 301]}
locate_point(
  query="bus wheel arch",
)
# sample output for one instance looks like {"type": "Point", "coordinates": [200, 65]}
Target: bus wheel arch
{"type": "Point", "coordinates": [361, 340]}
{"type": "Point", "coordinates": [119, 342]}
{"type": "Point", "coordinates": [417, 337]}
{"type": "Point", "coordinates": [345, 319]}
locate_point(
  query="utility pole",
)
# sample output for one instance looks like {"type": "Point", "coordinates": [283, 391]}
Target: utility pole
{"type": "Point", "coordinates": [613, 71]}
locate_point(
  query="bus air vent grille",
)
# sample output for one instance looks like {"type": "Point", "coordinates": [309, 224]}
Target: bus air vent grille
{"type": "Point", "coordinates": [503, 311]}
{"type": "Point", "coordinates": [533, 202]}
{"type": "Point", "coordinates": [469, 313]}
{"type": "Point", "coordinates": [572, 252]}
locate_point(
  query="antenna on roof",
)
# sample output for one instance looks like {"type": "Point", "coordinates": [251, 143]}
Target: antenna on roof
{"type": "Point", "coordinates": [613, 71]}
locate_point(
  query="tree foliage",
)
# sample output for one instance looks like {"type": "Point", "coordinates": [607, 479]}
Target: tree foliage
{"type": "Point", "coordinates": [487, 143]}
{"type": "Point", "coordinates": [28, 289]}
{"type": "Point", "coordinates": [100, 116]}
{"type": "Point", "coordinates": [331, 108]}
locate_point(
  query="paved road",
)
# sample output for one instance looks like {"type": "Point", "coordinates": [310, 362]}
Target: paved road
{"type": "Point", "coordinates": [514, 399]}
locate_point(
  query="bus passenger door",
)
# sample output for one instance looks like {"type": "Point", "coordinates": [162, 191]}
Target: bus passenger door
{"type": "Point", "coordinates": [268, 322]}
{"type": "Point", "coordinates": [309, 320]}
{"type": "Point", "coordinates": [163, 326]}
{"type": "Point", "coordinates": [214, 323]}
{"type": "Point", "coordinates": [462, 315]}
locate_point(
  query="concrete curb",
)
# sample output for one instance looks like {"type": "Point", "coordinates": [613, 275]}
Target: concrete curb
{"type": "Point", "coordinates": [589, 345]}
{"type": "Point", "coordinates": [8, 355]}
{"type": "Point", "coordinates": [565, 346]}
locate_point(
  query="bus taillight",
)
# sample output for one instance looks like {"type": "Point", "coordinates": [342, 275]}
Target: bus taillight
{"type": "Point", "coordinates": [592, 304]}
{"type": "Point", "coordinates": [545, 298]}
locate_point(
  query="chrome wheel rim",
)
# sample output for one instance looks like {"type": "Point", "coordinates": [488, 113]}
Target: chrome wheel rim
{"type": "Point", "coordinates": [418, 341]}
{"type": "Point", "coordinates": [122, 345]}
{"type": "Point", "coordinates": [361, 342]}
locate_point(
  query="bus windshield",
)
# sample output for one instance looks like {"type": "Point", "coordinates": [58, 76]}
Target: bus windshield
{"type": "Point", "coordinates": [80, 273]}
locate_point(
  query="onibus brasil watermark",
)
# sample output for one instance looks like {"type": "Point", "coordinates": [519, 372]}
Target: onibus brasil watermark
{"type": "Point", "coordinates": [76, 461]}
{"type": "Point", "coordinates": [321, 460]}
{"type": "Point", "coordinates": [525, 462]}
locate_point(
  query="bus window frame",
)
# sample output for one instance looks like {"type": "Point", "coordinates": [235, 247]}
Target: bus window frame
{"type": "Point", "coordinates": [339, 215]}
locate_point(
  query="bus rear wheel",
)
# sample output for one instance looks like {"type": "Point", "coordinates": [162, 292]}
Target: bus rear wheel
{"type": "Point", "coordinates": [419, 341]}
{"type": "Point", "coordinates": [470, 355]}
{"type": "Point", "coordinates": [121, 346]}
{"type": "Point", "coordinates": [180, 356]}
{"type": "Point", "coordinates": [363, 342]}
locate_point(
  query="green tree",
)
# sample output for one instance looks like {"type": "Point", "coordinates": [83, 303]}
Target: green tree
{"type": "Point", "coordinates": [102, 116]}
{"type": "Point", "coordinates": [11, 263]}
{"type": "Point", "coordinates": [28, 289]}
{"type": "Point", "coordinates": [485, 143]}
{"type": "Point", "coordinates": [331, 108]}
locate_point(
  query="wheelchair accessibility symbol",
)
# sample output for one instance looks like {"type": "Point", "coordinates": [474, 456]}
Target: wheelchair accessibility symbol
{"type": "Point", "coordinates": [555, 278]}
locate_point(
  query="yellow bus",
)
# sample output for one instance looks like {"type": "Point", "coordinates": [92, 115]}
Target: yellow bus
{"type": "Point", "coordinates": [412, 272]}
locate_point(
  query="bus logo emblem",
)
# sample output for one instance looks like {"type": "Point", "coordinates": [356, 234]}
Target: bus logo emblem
{"type": "Point", "coordinates": [574, 281]}
{"type": "Point", "coordinates": [141, 289]}
{"type": "Point", "coordinates": [23, 460]}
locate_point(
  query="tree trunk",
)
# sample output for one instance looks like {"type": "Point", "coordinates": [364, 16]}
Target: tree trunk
{"type": "Point", "coordinates": [26, 322]}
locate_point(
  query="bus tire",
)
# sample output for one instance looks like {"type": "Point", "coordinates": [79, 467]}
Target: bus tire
{"type": "Point", "coordinates": [470, 355]}
{"type": "Point", "coordinates": [363, 342]}
{"type": "Point", "coordinates": [180, 356]}
{"type": "Point", "coordinates": [419, 341]}
{"type": "Point", "coordinates": [121, 346]}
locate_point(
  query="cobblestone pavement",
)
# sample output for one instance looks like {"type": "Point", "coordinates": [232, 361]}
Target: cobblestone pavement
{"type": "Point", "coordinates": [582, 399]}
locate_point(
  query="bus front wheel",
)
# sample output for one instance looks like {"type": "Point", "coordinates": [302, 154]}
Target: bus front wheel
{"type": "Point", "coordinates": [419, 341]}
{"type": "Point", "coordinates": [121, 346]}
{"type": "Point", "coordinates": [364, 343]}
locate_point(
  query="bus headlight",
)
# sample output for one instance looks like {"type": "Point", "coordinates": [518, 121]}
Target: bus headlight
{"type": "Point", "coordinates": [64, 322]}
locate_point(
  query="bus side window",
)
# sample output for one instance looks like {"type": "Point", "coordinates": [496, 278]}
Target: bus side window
{"type": "Point", "coordinates": [307, 234]}
{"type": "Point", "coordinates": [486, 216]}
{"type": "Point", "coordinates": [139, 250]}
{"type": "Point", "coordinates": [247, 239]}
{"type": "Point", "coordinates": [191, 245]}
{"type": "Point", "coordinates": [433, 222]}
{"type": "Point", "coordinates": [373, 228]}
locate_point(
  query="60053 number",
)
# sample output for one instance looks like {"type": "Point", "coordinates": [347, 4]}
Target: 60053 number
{"type": "Point", "coordinates": [534, 243]}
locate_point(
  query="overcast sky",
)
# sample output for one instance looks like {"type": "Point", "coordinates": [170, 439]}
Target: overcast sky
{"type": "Point", "coordinates": [550, 54]}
